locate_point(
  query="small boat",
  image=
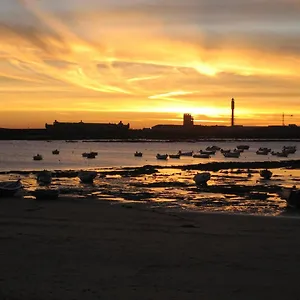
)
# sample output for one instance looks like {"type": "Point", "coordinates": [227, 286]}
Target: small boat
{"type": "Point", "coordinates": [262, 152]}
{"type": "Point", "coordinates": [243, 147]}
{"type": "Point", "coordinates": [209, 152]}
{"type": "Point", "coordinates": [174, 155]}
{"type": "Point", "coordinates": [89, 154]}
{"type": "Point", "coordinates": [291, 196]}
{"type": "Point", "coordinates": [10, 188]}
{"type": "Point", "coordinates": [38, 157]}
{"type": "Point", "coordinates": [189, 153]}
{"type": "Point", "coordinates": [138, 154]}
{"type": "Point", "coordinates": [212, 148]}
{"type": "Point", "coordinates": [201, 155]}
{"type": "Point", "coordinates": [238, 150]}
{"type": "Point", "coordinates": [55, 152]}
{"type": "Point", "coordinates": [225, 150]}
{"type": "Point", "coordinates": [264, 149]}
{"type": "Point", "coordinates": [231, 154]}
{"type": "Point", "coordinates": [202, 178]}
{"type": "Point", "coordinates": [45, 194]}
{"type": "Point", "coordinates": [162, 156]}
{"type": "Point", "coordinates": [289, 149]}
{"type": "Point", "coordinates": [87, 176]}
{"type": "Point", "coordinates": [265, 174]}
{"type": "Point", "coordinates": [44, 177]}
{"type": "Point", "coordinates": [282, 154]}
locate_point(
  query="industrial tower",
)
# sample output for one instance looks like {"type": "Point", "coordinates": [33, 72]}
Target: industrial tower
{"type": "Point", "coordinates": [232, 112]}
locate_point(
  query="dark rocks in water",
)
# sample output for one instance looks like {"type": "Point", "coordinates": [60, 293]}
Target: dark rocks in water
{"type": "Point", "coordinates": [216, 166]}
{"type": "Point", "coordinates": [258, 195]}
{"type": "Point", "coordinates": [136, 196]}
{"type": "Point", "coordinates": [162, 184]}
{"type": "Point", "coordinates": [46, 194]}
{"type": "Point", "coordinates": [266, 174]}
{"type": "Point", "coordinates": [241, 190]}
{"type": "Point", "coordinates": [131, 172]}
{"type": "Point", "coordinates": [65, 173]}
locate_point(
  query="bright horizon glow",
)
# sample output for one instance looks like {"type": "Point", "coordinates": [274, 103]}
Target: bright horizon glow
{"type": "Point", "coordinates": [148, 63]}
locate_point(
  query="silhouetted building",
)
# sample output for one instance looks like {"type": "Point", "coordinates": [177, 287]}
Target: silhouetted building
{"type": "Point", "coordinates": [83, 130]}
{"type": "Point", "coordinates": [188, 120]}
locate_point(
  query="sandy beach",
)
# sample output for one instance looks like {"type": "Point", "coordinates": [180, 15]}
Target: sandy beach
{"type": "Point", "coordinates": [91, 249]}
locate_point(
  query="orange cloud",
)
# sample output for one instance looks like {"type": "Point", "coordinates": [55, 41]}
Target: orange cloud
{"type": "Point", "coordinates": [127, 60]}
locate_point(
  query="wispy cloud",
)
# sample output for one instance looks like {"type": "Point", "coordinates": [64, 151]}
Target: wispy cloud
{"type": "Point", "coordinates": [114, 55]}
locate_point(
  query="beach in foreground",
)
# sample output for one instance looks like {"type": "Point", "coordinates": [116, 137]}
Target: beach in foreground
{"type": "Point", "coordinates": [90, 249]}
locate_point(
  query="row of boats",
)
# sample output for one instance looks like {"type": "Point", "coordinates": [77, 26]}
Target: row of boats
{"type": "Point", "coordinates": [40, 156]}
{"type": "Point", "coordinates": [233, 153]}
{"type": "Point", "coordinates": [286, 150]}
{"type": "Point", "coordinates": [203, 177]}
{"type": "Point", "coordinates": [207, 153]}
{"type": "Point", "coordinates": [91, 154]}
{"type": "Point", "coordinates": [44, 178]}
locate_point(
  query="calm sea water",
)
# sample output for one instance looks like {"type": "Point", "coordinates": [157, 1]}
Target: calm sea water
{"type": "Point", "coordinates": [18, 155]}
{"type": "Point", "coordinates": [171, 188]}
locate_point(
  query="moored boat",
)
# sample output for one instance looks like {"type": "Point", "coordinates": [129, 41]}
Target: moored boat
{"type": "Point", "coordinates": [213, 148]}
{"type": "Point", "coordinates": [10, 188]}
{"type": "Point", "coordinates": [201, 155]}
{"type": "Point", "coordinates": [232, 154]}
{"type": "Point", "coordinates": [266, 174]}
{"type": "Point", "coordinates": [38, 157]}
{"type": "Point", "coordinates": [162, 156]}
{"type": "Point", "coordinates": [44, 177]}
{"type": "Point", "coordinates": [238, 150]}
{"type": "Point", "coordinates": [201, 178]}
{"type": "Point", "coordinates": [225, 150]}
{"type": "Point", "coordinates": [291, 196]}
{"type": "Point", "coordinates": [55, 152]}
{"type": "Point", "coordinates": [263, 151]}
{"type": "Point", "coordinates": [189, 153]}
{"type": "Point", "coordinates": [89, 154]}
{"type": "Point", "coordinates": [209, 152]}
{"type": "Point", "coordinates": [243, 147]}
{"type": "Point", "coordinates": [282, 154]}
{"type": "Point", "coordinates": [87, 176]}
{"type": "Point", "coordinates": [289, 149]}
{"type": "Point", "coordinates": [174, 155]}
{"type": "Point", "coordinates": [138, 154]}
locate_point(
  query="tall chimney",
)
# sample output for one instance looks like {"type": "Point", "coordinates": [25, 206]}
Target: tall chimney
{"type": "Point", "coordinates": [232, 112]}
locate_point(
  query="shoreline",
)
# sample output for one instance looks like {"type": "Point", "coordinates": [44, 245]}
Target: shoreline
{"type": "Point", "coordinates": [94, 249]}
{"type": "Point", "coordinates": [156, 140]}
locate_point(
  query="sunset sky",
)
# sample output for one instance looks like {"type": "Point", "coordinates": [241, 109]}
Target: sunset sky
{"type": "Point", "coordinates": [147, 62]}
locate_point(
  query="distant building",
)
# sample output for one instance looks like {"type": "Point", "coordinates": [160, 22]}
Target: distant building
{"type": "Point", "coordinates": [86, 130]}
{"type": "Point", "coordinates": [188, 120]}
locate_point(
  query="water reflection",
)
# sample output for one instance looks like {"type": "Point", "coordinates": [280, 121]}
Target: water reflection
{"type": "Point", "coordinates": [227, 191]}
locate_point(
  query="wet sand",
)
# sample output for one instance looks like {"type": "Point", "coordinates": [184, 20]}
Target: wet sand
{"type": "Point", "coordinates": [91, 249]}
